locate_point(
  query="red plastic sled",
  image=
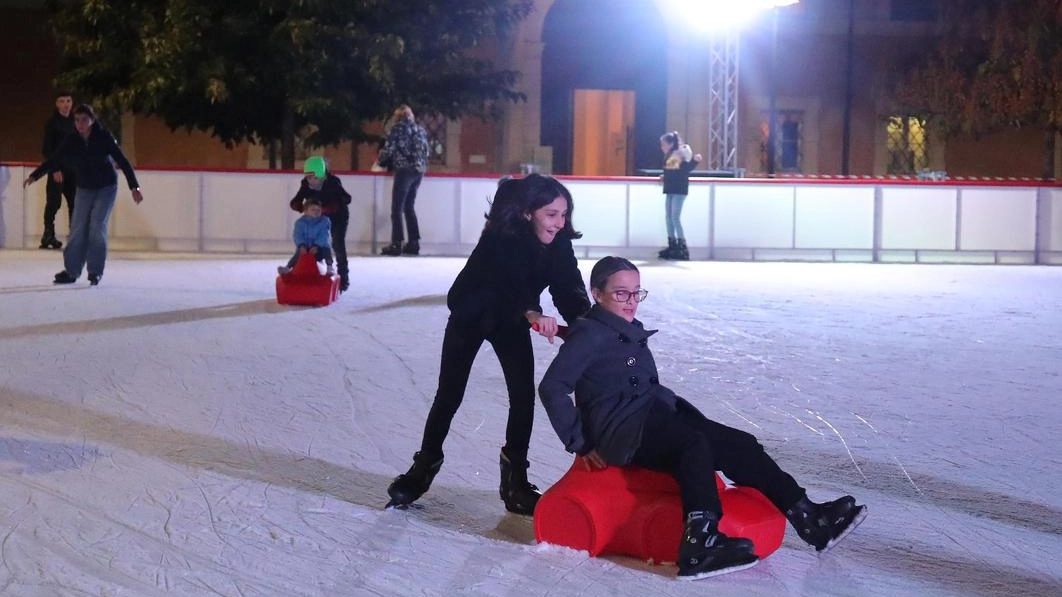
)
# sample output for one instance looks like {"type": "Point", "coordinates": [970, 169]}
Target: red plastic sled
{"type": "Point", "coordinates": [637, 512]}
{"type": "Point", "coordinates": [305, 285]}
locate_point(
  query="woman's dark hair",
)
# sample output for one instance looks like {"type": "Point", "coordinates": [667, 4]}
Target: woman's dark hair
{"type": "Point", "coordinates": [518, 197]}
{"type": "Point", "coordinates": [86, 110]}
{"type": "Point", "coordinates": [672, 139]}
{"type": "Point", "coordinates": [605, 267]}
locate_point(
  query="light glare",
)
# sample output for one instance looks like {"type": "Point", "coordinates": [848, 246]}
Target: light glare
{"type": "Point", "coordinates": [723, 15]}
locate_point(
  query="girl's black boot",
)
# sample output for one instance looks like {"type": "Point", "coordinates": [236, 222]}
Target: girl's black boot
{"type": "Point", "coordinates": [519, 495]}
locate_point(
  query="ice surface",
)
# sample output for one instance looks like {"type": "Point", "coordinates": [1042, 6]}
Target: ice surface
{"type": "Point", "coordinates": [174, 431]}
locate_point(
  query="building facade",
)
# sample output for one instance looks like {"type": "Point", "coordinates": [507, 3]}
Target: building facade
{"type": "Point", "coordinates": [605, 78]}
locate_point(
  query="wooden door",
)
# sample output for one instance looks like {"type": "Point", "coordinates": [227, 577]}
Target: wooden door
{"type": "Point", "coordinates": [603, 122]}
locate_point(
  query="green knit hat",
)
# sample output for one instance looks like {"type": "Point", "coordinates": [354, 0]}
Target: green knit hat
{"type": "Point", "coordinates": [316, 164]}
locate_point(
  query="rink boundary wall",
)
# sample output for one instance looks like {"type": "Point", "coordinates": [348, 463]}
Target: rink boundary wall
{"type": "Point", "coordinates": [219, 211]}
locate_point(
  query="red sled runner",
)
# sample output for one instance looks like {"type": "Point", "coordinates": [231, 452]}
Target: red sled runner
{"type": "Point", "coordinates": [306, 285]}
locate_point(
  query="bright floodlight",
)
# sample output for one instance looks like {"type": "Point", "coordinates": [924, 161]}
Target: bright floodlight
{"type": "Point", "coordinates": [722, 15]}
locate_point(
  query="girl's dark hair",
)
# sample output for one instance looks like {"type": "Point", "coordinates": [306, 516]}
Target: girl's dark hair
{"type": "Point", "coordinates": [672, 139]}
{"type": "Point", "coordinates": [518, 197]}
{"type": "Point", "coordinates": [86, 110]}
{"type": "Point", "coordinates": [607, 266]}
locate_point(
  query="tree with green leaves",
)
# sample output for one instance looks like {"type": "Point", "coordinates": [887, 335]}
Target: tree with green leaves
{"type": "Point", "coordinates": [998, 65]}
{"type": "Point", "coordinates": [261, 70]}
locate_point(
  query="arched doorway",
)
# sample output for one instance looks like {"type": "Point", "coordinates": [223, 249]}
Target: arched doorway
{"type": "Point", "coordinates": [604, 85]}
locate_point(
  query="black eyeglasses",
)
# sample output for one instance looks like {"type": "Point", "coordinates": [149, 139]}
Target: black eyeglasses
{"type": "Point", "coordinates": [623, 296]}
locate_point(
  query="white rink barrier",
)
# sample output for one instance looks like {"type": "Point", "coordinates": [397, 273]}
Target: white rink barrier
{"type": "Point", "coordinates": [726, 219]}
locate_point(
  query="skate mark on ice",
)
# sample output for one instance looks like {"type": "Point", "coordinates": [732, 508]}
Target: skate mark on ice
{"type": "Point", "coordinates": [891, 454]}
{"type": "Point", "coordinates": [843, 443]}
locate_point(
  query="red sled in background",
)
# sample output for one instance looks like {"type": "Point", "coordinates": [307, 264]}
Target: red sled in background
{"type": "Point", "coordinates": [306, 285]}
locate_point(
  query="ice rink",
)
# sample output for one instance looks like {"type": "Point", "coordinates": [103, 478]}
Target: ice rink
{"type": "Point", "coordinates": [174, 431]}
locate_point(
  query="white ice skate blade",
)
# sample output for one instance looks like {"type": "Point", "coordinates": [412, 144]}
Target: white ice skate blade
{"type": "Point", "coordinates": [719, 572]}
{"type": "Point", "coordinates": [851, 527]}
{"type": "Point", "coordinates": [410, 506]}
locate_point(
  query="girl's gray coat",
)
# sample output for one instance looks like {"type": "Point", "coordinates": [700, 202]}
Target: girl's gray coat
{"type": "Point", "coordinates": [606, 361]}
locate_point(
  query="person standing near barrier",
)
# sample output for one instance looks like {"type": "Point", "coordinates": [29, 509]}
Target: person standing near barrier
{"type": "Point", "coordinates": [325, 187]}
{"type": "Point", "coordinates": [62, 182]}
{"type": "Point", "coordinates": [679, 161]}
{"type": "Point", "coordinates": [406, 153]}
{"type": "Point", "coordinates": [92, 153]}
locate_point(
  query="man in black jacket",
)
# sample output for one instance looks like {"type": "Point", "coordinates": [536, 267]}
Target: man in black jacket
{"type": "Point", "coordinates": [62, 182]}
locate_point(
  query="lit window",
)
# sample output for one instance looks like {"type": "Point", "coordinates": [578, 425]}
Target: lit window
{"type": "Point", "coordinates": [788, 141]}
{"type": "Point", "coordinates": [908, 151]}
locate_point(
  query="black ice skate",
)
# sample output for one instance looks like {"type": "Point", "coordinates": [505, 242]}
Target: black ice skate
{"type": "Point", "coordinates": [48, 241]}
{"type": "Point", "coordinates": [519, 495]}
{"type": "Point", "coordinates": [705, 552]}
{"type": "Point", "coordinates": [94, 279]}
{"type": "Point", "coordinates": [409, 486]}
{"type": "Point", "coordinates": [64, 278]}
{"type": "Point", "coordinates": [393, 249]}
{"type": "Point", "coordinates": [824, 525]}
{"type": "Point", "coordinates": [666, 253]}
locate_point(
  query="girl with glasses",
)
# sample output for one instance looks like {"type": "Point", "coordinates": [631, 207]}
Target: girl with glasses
{"type": "Point", "coordinates": [623, 416]}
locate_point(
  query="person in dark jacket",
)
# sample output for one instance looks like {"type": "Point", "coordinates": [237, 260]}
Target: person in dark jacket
{"type": "Point", "coordinates": [62, 182]}
{"type": "Point", "coordinates": [623, 416]}
{"type": "Point", "coordinates": [92, 153]}
{"type": "Point", "coordinates": [525, 247]}
{"type": "Point", "coordinates": [326, 187]}
{"type": "Point", "coordinates": [679, 161]}
{"type": "Point", "coordinates": [405, 152]}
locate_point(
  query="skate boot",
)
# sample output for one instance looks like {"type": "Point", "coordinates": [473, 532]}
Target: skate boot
{"type": "Point", "coordinates": [411, 248]}
{"type": "Point", "coordinates": [94, 279]}
{"type": "Point", "coordinates": [409, 486]}
{"type": "Point", "coordinates": [706, 552]}
{"type": "Point", "coordinates": [64, 278]}
{"type": "Point", "coordinates": [681, 252]}
{"type": "Point", "coordinates": [392, 250]}
{"type": "Point", "coordinates": [824, 525]}
{"type": "Point", "coordinates": [666, 253]}
{"type": "Point", "coordinates": [48, 241]}
{"type": "Point", "coordinates": [519, 495]}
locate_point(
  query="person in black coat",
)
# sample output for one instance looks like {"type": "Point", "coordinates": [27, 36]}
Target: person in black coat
{"type": "Point", "coordinates": [62, 182]}
{"type": "Point", "coordinates": [92, 153]}
{"type": "Point", "coordinates": [623, 415]}
{"type": "Point", "coordinates": [525, 247]}
{"type": "Point", "coordinates": [325, 187]}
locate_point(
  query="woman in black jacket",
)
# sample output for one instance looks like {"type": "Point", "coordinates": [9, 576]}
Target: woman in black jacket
{"type": "Point", "coordinates": [623, 415]}
{"type": "Point", "coordinates": [525, 247]}
{"type": "Point", "coordinates": [679, 161]}
{"type": "Point", "coordinates": [92, 153]}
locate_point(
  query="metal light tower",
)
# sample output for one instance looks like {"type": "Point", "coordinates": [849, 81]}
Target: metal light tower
{"type": "Point", "coordinates": [721, 153]}
{"type": "Point", "coordinates": [723, 20]}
